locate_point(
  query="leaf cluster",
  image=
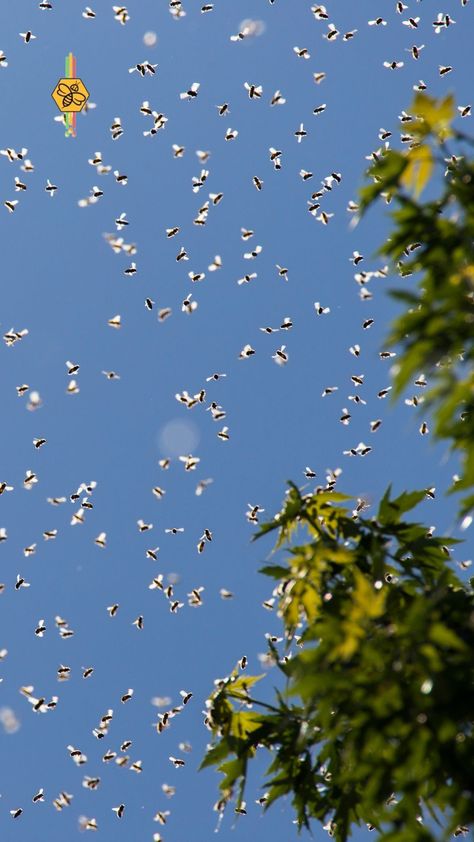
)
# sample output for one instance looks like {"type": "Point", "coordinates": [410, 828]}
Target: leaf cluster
{"type": "Point", "coordinates": [433, 241]}
{"type": "Point", "coordinates": [375, 724]}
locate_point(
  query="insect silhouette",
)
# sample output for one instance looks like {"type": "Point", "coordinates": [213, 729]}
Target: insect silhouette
{"type": "Point", "coordinates": [71, 94]}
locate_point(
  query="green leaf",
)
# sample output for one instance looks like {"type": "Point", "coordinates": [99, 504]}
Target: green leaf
{"type": "Point", "coordinates": [217, 753]}
{"type": "Point", "coordinates": [233, 770]}
{"type": "Point", "coordinates": [275, 571]}
{"type": "Point", "coordinates": [390, 511]}
{"type": "Point", "coordinates": [444, 636]}
{"type": "Point", "coordinates": [386, 173]}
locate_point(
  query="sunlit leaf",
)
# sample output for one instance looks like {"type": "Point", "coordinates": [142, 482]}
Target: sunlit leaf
{"type": "Point", "coordinates": [244, 722]}
{"type": "Point", "coordinates": [432, 115]}
{"type": "Point", "coordinates": [419, 168]}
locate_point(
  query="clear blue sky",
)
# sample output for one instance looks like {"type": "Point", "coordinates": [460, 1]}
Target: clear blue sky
{"type": "Point", "coordinates": [62, 282]}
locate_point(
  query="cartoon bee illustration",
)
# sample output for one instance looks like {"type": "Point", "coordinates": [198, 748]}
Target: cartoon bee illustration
{"type": "Point", "coordinates": [70, 94]}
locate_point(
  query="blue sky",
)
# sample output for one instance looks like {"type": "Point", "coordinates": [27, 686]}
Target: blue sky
{"type": "Point", "coordinates": [62, 282]}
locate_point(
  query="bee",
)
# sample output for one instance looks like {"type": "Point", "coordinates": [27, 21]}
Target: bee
{"type": "Point", "coordinates": [71, 94]}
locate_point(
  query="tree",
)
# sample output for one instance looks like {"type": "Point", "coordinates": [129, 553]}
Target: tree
{"type": "Point", "coordinates": [375, 724]}
{"type": "Point", "coordinates": [435, 240]}
{"type": "Point", "coordinates": [373, 721]}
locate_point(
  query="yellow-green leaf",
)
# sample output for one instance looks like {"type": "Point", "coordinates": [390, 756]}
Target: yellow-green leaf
{"type": "Point", "coordinates": [432, 115]}
{"type": "Point", "coordinates": [244, 722]}
{"type": "Point", "coordinates": [418, 171]}
{"type": "Point", "coordinates": [338, 554]}
{"type": "Point", "coordinates": [238, 688]}
{"type": "Point", "coordinates": [311, 602]}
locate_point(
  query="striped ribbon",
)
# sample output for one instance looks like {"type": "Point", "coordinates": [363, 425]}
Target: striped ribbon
{"type": "Point", "coordinates": [70, 73]}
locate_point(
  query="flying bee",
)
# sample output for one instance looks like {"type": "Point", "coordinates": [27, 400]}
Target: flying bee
{"type": "Point", "coordinates": [71, 94]}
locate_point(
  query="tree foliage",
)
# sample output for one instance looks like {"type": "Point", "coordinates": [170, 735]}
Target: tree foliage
{"type": "Point", "coordinates": [433, 241]}
{"type": "Point", "coordinates": [375, 723]}
{"type": "Point", "coordinates": [372, 722]}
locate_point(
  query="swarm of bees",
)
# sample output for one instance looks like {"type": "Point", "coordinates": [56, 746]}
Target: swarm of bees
{"type": "Point", "coordinates": [235, 222]}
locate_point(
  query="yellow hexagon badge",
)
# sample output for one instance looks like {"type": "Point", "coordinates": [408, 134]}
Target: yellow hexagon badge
{"type": "Point", "coordinates": [70, 95]}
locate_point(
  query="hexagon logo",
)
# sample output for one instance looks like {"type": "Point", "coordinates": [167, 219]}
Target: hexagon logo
{"type": "Point", "coordinates": [70, 95]}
